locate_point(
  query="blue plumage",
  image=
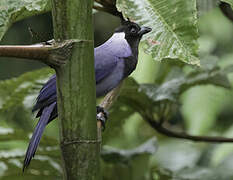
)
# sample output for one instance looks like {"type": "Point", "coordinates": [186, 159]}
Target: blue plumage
{"type": "Point", "coordinates": [45, 116]}
{"type": "Point", "coordinates": [47, 94]}
{"type": "Point", "coordinates": [114, 61]}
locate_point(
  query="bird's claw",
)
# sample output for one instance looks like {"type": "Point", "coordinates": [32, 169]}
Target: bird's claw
{"type": "Point", "coordinates": [102, 116]}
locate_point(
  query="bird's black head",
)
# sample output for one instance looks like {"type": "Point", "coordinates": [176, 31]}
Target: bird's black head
{"type": "Point", "coordinates": [133, 32]}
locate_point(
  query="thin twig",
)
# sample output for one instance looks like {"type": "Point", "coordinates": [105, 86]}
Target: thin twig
{"type": "Point", "coordinates": [110, 98]}
{"type": "Point", "coordinates": [181, 135]}
{"type": "Point", "coordinates": [106, 103]}
{"type": "Point", "coordinates": [226, 10]}
{"type": "Point", "coordinates": [109, 7]}
{"type": "Point", "coordinates": [106, 3]}
{"type": "Point", "coordinates": [101, 2]}
{"type": "Point", "coordinates": [99, 8]}
{"type": "Point", "coordinates": [110, 2]}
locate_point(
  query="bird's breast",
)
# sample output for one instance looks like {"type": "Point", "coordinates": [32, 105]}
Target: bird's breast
{"type": "Point", "coordinates": [112, 80]}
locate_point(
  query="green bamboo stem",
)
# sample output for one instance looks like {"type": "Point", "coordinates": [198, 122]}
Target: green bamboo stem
{"type": "Point", "coordinates": [76, 91]}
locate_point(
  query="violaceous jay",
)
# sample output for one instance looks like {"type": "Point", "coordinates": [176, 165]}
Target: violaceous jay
{"type": "Point", "coordinates": [115, 60]}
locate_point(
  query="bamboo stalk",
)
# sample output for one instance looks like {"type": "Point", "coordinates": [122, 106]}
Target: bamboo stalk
{"type": "Point", "coordinates": [76, 91]}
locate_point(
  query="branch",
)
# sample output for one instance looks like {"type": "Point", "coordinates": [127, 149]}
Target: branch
{"type": "Point", "coordinates": [51, 53]}
{"type": "Point", "coordinates": [108, 6]}
{"type": "Point", "coordinates": [111, 97]}
{"type": "Point", "coordinates": [106, 103]}
{"type": "Point", "coordinates": [226, 10]}
{"type": "Point", "coordinates": [107, 3]}
{"type": "Point", "coordinates": [181, 135]}
{"type": "Point", "coordinates": [100, 8]}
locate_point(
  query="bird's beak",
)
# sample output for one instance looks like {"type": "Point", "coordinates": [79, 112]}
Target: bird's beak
{"type": "Point", "coordinates": [144, 30]}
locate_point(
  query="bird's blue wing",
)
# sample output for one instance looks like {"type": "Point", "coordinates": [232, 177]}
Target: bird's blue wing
{"type": "Point", "coordinates": [35, 139]}
{"type": "Point", "coordinates": [104, 65]}
{"type": "Point", "coordinates": [106, 62]}
{"type": "Point", "coordinates": [47, 94]}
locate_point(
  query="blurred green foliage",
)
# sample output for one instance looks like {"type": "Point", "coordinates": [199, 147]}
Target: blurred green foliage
{"type": "Point", "coordinates": [192, 99]}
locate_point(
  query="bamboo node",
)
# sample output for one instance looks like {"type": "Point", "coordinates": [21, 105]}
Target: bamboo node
{"type": "Point", "coordinates": [91, 141]}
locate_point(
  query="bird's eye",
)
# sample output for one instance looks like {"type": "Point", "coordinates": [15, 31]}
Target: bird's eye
{"type": "Point", "coordinates": [133, 30]}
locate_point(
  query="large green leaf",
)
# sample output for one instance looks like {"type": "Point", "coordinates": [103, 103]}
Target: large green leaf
{"type": "Point", "coordinates": [175, 155]}
{"type": "Point", "coordinates": [182, 160]}
{"type": "Point", "coordinates": [15, 10]}
{"type": "Point", "coordinates": [222, 151]}
{"type": "Point", "coordinates": [13, 143]}
{"type": "Point", "coordinates": [135, 161]}
{"type": "Point", "coordinates": [174, 24]}
{"type": "Point", "coordinates": [144, 95]}
{"type": "Point", "coordinates": [17, 96]}
{"type": "Point", "coordinates": [110, 154]}
{"type": "Point", "coordinates": [128, 164]}
{"type": "Point", "coordinates": [119, 113]}
{"type": "Point", "coordinates": [16, 91]}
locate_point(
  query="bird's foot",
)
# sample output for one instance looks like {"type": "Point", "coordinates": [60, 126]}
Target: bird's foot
{"type": "Point", "coordinates": [102, 116]}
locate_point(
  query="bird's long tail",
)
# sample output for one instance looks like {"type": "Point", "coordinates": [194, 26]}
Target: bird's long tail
{"type": "Point", "coordinates": [35, 139]}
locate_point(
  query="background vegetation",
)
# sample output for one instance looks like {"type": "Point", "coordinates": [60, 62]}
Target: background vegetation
{"type": "Point", "coordinates": [197, 100]}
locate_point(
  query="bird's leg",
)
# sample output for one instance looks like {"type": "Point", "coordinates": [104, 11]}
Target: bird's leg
{"type": "Point", "coordinates": [102, 116]}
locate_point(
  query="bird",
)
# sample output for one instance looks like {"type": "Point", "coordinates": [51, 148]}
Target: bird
{"type": "Point", "coordinates": [114, 60]}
